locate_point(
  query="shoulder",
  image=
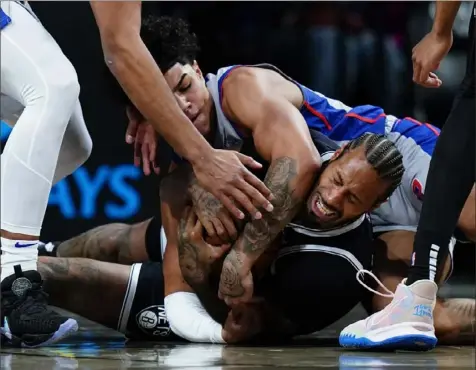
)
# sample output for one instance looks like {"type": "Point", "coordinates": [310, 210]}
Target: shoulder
{"type": "Point", "coordinates": [242, 79]}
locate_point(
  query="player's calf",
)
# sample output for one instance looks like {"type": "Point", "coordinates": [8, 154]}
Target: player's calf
{"type": "Point", "coordinates": [118, 243]}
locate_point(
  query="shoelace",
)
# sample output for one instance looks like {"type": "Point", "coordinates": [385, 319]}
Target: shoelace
{"type": "Point", "coordinates": [359, 276]}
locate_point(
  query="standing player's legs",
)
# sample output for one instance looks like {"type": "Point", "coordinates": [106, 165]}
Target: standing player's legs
{"type": "Point", "coordinates": [450, 179]}
{"type": "Point", "coordinates": [407, 323]}
{"type": "Point", "coordinates": [76, 146]}
{"type": "Point", "coordinates": [34, 72]}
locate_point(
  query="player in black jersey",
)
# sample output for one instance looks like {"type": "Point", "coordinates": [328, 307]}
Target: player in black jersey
{"type": "Point", "coordinates": [331, 232]}
{"type": "Point", "coordinates": [315, 264]}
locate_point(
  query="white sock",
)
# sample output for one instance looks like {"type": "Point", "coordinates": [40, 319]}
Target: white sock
{"type": "Point", "coordinates": [18, 252]}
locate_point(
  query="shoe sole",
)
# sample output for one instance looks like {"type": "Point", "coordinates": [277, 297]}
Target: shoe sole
{"type": "Point", "coordinates": [413, 342]}
{"type": "Point", "coordinates": [66, 329]}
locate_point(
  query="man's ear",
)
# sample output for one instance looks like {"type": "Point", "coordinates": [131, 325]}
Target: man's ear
{"type": "Point", "coordinates": [337, 153]}
{"type": "Point", "coordinates": [379, 203]}
{"type": "Point", "coordinates": [197, 69]}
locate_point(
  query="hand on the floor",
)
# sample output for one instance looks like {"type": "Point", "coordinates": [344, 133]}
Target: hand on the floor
{"type": "Point", "coordinates": [242, 323]}
{"type": "Point", "coordinates": [427, 56]}
{"type": "Point", "coordinates": [236, 280]}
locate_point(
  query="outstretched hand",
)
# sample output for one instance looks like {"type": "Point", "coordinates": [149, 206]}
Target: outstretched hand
{"type": "Point", "coordinates": [225, 176]}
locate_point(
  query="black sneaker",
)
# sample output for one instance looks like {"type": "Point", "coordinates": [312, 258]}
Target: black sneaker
{"type": "Point", "coordinates": [27, 320]}
{"type": "Point", "coordinates": [48, 249]}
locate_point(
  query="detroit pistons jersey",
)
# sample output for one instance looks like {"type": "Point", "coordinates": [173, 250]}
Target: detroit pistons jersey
{"type": "Point", "coordinates": [342, 123]}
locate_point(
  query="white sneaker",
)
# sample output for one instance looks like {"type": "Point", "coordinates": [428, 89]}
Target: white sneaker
{"type": "Point", "coordinates": [405, 324]}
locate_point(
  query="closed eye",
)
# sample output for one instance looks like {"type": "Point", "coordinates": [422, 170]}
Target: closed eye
{"type": "Point", "coordinates": [338, 179]}
{"type": "Point", "coordinates": [353, 199]}
{"type": "Point", "coordinates": [183, 89]}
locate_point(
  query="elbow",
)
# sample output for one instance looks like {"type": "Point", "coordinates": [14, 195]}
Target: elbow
{"type": "Point", "coordinates": [309, 163]}
{"type": "Point", "coordinates": [115, 49]}
{"type": "Point", "coordinates": [315, 162]}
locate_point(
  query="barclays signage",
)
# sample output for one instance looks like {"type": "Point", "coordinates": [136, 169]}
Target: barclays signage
{"type": "Point", "coordinates": [105, 191]}
{"type": "Point", "coordinates": [90, 185]}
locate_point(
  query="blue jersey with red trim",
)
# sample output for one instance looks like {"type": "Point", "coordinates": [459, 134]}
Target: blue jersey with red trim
{"type": "Point", "coordinates": [341, 123]}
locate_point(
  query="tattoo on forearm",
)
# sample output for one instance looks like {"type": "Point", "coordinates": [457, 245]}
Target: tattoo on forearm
{"type": "Point", "coordinates": [203, 201]}
{"type": "Point", "coordinates": [258, 234]}
{"type": "Point", "coordinates": [196, 274]}
{"type": "Point", "coordinates": [189, 261]}
{"type": "Point", "coordinates": [231, 280]}
{"type": "Point", "coordinates": [109, 243]}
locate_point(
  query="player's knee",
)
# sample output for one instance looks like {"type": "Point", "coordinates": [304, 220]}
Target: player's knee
{"type": "Point", "coordinates": [112, 243]}
{"type": "Point", "coordinates": [64, 84]}
{"type": "Point", "coordinates": [58, 93]}
{"type": "Point", "coordinates": [83, 150]}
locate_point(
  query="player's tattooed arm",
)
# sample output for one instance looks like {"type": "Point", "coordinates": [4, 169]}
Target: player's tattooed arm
{"type": "Point", "coordinates": [258, 235]}
{"type": "Point", "coordinates": [282, 138]}
{"type": "Point", "coordinates": [197, 258]}
{"type": "Point", "coordinates": [183, 270]}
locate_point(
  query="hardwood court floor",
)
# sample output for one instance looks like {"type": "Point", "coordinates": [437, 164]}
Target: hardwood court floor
{"type": "Point", "coordinates": [99, 348]}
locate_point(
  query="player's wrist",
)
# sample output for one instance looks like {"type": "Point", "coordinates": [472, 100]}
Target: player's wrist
{"type": "Point", "coordinates": [442, 33]}
{"type": "Point", "coordinates": [199, 155]}
{"type": "Point", "coordinates": [246, 261]}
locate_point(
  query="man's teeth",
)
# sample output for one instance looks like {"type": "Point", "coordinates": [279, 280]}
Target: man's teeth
{"type": "Point", "coordinates": [322, 208]}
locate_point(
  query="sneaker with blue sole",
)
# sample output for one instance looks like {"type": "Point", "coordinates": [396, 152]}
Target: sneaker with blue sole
{"type": "Point", "coordinates": [405, 324]}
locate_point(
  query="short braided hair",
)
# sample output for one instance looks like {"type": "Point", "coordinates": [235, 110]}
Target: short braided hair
{"type": "Point", "coordinates": [383, 156]}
